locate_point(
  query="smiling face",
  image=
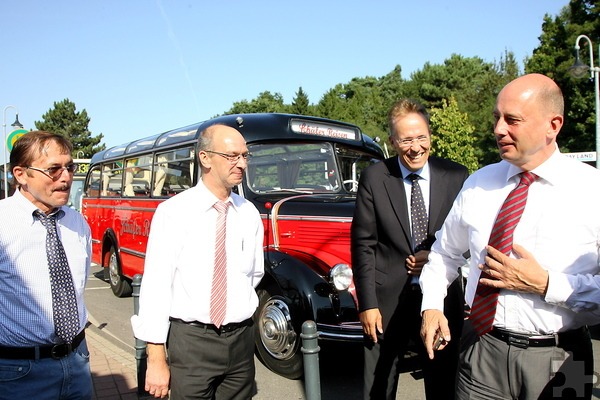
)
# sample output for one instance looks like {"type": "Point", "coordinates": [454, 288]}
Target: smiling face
{"type": "Point", "coordinates": [412, 140]}
{"type": "Point", "coordinates": [43, 191]}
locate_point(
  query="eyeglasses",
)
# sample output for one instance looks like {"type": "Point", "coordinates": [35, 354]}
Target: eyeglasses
{"type": "Point", "coordinates": [232, 158]}
{"type": "Point", "coordinates": [55, 172]}
{"type": "Point", "coordinates": [409, 142]}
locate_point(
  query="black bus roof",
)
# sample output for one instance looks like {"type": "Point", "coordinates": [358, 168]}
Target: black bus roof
{"type": "Point", "coordinates": [259, 127]}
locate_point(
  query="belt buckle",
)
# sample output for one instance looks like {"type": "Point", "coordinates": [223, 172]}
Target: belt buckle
{"type": "Point", "coordinates": [59, 351]}
{"type": "Point", "coordinates": [518, 341]}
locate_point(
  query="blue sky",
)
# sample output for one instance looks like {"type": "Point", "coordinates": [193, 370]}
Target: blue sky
{"type": "Point", "coordinates": [141, 67]}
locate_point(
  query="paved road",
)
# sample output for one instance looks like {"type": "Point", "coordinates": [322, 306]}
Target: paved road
{"type": "Point", "coordinates": [340, 365]}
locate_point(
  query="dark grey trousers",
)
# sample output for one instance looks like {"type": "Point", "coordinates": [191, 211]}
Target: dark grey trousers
{"type": "Point", "coordinates": [490, 369]}
{"type": "Point", "coordinates": [208, 365]}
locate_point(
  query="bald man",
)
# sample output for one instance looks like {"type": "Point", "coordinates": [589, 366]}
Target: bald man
{"type": "Point", "coordinates": [534, 282]}
{"type": "Point", "coordinates": [198, 293]}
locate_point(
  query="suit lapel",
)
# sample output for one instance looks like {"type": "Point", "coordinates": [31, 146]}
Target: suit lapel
{"type": "Point", "coordinates": [397, 196]}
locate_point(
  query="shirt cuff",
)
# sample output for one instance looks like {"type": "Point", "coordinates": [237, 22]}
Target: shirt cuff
{"type": "Point", "coordinates": [559, 288]}
{"type": "Point", "coordinates": [149, 331]}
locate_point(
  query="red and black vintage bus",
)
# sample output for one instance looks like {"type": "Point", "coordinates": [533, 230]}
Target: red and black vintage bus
{"type": "Point", "coordinates": [302, 176]}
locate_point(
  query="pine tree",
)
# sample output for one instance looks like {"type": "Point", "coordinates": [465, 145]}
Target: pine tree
{"type": "Point", "coordinates": [65, 120]}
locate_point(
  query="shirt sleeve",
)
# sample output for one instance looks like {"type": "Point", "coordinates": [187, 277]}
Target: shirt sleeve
{"type": "Point", "coordinates": [445, 258]}
{"type": "Point", "coordinates": [259, 264]}
{"type": "Point", "coordinates": [152, 322]}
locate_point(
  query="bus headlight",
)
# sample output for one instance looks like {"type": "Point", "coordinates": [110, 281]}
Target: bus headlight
{"type": "Point", "coordinates": [340, 276]}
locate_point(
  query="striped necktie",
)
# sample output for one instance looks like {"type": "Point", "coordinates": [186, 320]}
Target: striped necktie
{"type": "Point", "coordinates": [218, 295]}
{"type": "Point", "coordinates": [486, 298]}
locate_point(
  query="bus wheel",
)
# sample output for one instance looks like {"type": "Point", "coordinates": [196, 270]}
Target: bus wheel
{"type": "Point", "coordinates": [118, 283]}
{"type": "Point", "coordinates": [277, 344]}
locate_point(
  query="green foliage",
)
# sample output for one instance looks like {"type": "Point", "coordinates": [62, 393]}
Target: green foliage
{"type": "Point", "coordinates": [266, 102]}
{"type": "Point", "coordinates": [555, 55]}
{"type": "Point", "coordinates": [300, 105]}
{"type": "Point", "coordinates": [452, 136]}
{"type": "Point", "coordinates": [65, 120]}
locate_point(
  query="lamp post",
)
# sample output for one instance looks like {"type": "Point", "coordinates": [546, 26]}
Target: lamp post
{"type": "Point", "coordinates": [15, 124]}
{"type": "Point", "coordinates": [578, 70]}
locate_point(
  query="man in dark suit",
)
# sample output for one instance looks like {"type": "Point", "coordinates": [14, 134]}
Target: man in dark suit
{"type": "Point", "coordinates": [396, 217]}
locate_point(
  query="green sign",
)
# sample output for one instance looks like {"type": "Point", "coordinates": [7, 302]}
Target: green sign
{"type": "Point", "coordinates": [13, 136]}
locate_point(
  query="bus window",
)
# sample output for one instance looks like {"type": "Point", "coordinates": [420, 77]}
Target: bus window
{"type": "Point", "coordinates": [137, 177]}
{"type": "Point", "coordinates": [93, 183]}
{"type": "Point", "coordinates": [112, 179]}
{"type": "Point", "coordinates": [173, 172]}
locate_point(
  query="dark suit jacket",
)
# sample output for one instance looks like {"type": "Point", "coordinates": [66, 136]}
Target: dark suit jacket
{"type": "Point", "coordinates": [381, 235]}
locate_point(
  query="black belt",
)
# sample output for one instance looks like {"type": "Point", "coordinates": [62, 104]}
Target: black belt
{"type": "Point", "coordinates": [224, 328]}
{"type": "Point", "coordinates": [524, 341]}
{"type": "Point", "coordinates": [56, 351]}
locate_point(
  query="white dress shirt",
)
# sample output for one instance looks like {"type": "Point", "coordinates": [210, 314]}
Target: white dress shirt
{"type": "Point", "coordinates": [180, 260]}
{"type": "Point", "coordinates": [560, 227]}
{"type": "Point", "coordinates": [25, 294]}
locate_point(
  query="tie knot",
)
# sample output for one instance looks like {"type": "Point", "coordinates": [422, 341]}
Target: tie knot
{"type": "Point", "coordinates": [413, 177]}
{"type": "Point", "coordinates": [222, 206]}
{"type": "Point", "coordinates": [48, 221]}
{"type": "Point", "coordinates": [527, 178]}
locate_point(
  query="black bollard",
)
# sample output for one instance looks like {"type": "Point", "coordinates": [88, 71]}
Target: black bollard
{"type": "Point", "coordinates": [140, 345]}
{"type": "Point", "coordinates": [310, 350]}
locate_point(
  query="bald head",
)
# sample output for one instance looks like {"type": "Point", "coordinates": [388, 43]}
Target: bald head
{"type": "Point", "coordinates": [529, 115]}
{"type": "Point", "coordinates": [539, 89]}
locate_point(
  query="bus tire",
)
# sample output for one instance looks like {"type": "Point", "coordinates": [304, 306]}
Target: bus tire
{"type": "Point", "coordinates": [120, 286]}
{"type": "Point", "coordinates": [277, 343]}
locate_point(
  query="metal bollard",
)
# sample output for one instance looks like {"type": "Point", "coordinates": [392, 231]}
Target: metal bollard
{"type": "Point", "coordinates": [140, 345]}
{"type": "Point", "coordinates": [310, 350]}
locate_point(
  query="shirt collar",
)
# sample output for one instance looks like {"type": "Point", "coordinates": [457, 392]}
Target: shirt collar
{"type": "Point", "coordinates": [424, 173]}
{"type": "Point", "coordinates": [208, 199]}
{"type": "Point", "coordinates": [549, 170]}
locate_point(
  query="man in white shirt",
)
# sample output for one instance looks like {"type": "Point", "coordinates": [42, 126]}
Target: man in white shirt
{"type": "Point", "coordinates": [547, 283]}
{"type": "Point", "coordinates": [211, 354]}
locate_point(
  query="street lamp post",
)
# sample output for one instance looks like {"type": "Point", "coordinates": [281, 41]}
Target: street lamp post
{"type": "Point", "coordinates": [579, 70]}
{"type": "Point", "coordinates": [15, 124]}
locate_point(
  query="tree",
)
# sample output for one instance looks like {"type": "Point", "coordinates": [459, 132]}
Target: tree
{"type": "Point", "coordinates": [555, 55]}
{"type": "Point", "coordinates": [300, 104]}
{"type": "Point", "coordinates": [452, 136]}
{"type": "Point", "coordinates": [264, 103]}
{"type": "Point", "coordinates": [66, 121]}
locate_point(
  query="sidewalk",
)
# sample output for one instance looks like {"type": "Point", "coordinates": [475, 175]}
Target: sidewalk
{"type": "Point", "coordinates": [114, 371]}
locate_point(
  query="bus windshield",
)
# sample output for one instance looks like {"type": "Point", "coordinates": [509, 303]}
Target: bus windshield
{"type": "Point", "coordinates": [319, 167]}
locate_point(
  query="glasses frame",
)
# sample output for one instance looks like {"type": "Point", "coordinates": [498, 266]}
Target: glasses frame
{"type": "Point", "coordinates": [232, 158]}
{"type": "Point", "coordinates": [58, 171]}
{"type": "Point", "coordinates": [406, 143]}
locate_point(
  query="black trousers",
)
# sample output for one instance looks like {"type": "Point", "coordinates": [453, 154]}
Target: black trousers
{"type": "Point", "coordinates": [209, 365]}
{"type": "Point", "coordinates": [383, 360]}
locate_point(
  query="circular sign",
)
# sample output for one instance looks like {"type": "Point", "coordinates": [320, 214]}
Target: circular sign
{"type": "Point", "coordinates": [13, 136]}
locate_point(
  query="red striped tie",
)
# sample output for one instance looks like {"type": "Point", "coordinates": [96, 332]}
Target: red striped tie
{"type": "Point", "coordinates": [501, 238]}
{"type": "Point", "coordinates": [218, 294]}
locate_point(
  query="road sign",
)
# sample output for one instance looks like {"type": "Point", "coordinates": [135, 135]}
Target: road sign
{"type": "Point", "coordinates": [583, 156]}
{"type": "Point", "coordinates": [13, 136]}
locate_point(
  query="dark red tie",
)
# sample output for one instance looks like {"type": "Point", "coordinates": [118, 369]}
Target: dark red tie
{"type": "Point", "coordinates": [501, 238]}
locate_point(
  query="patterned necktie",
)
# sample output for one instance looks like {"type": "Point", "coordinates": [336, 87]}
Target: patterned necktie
{"type": "Point", "coordinates": [218, 295]}
{"type": "Point", "coordinates": [64, 302]}
{"type": "Point", "coordinates": [418, 214]}
{"type": "Point", "coordinates": [501, 238]}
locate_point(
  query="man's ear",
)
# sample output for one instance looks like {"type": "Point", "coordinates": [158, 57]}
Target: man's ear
{"type": "Point", "coordinates": [556, 124]}
{"type": "Point", "coordinates": [20, 174]}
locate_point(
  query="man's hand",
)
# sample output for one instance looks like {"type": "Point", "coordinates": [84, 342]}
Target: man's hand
{"type": "Point", "coordinates": [434, 324]}
{"type": "Point", "coordinates": [415, 263]}
{"type": "Point", "coordinates": [523, 274]}
{"type": "Point", "coordinates": [157, 373]}
{"type": "Point", "coordinates": [371, 322]}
